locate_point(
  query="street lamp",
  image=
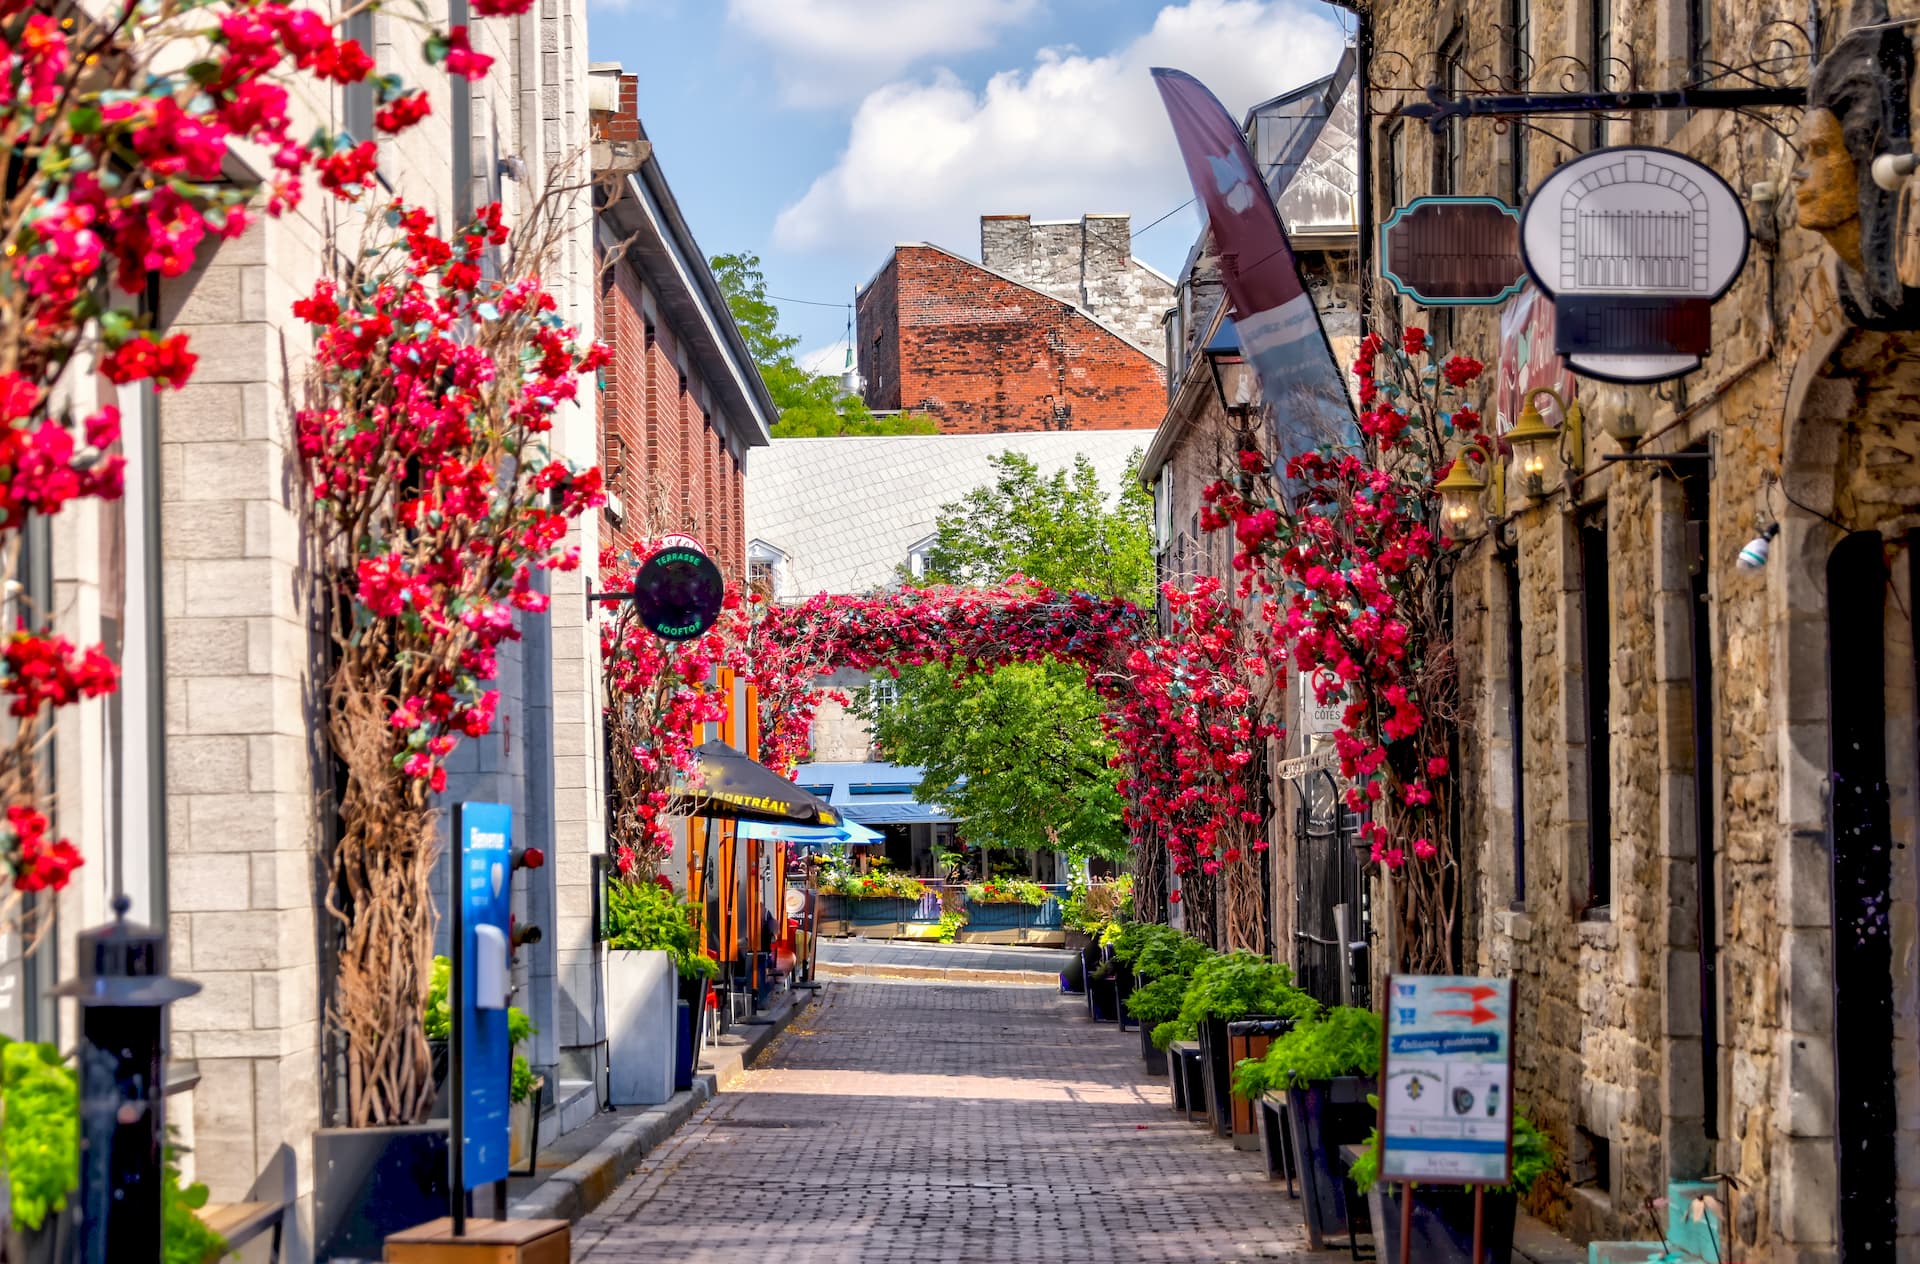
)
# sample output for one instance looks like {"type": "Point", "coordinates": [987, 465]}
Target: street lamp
{"type": "Point", "coordinates": [1460, 494]}
{"type": "Point", "coordinates": [1624, 426]}
{"type": "Point", "coordinates": [1533, 439]}
{"type": "Point", "coordinates": [1234, 380]}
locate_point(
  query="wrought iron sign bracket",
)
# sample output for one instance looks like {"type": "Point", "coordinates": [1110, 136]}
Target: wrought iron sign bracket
{"type": "Point", "coordinates": [1440, 108]}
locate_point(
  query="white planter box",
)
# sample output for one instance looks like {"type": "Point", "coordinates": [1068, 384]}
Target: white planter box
{"type": "Point", "coordinates": [641, 1030]}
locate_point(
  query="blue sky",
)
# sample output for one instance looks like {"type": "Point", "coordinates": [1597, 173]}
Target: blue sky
{"type": "Point", "coordinates": [817, 133]}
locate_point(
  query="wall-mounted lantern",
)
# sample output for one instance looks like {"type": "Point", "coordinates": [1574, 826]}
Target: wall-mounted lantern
{"type": "Point", "coordinates": [1534, 439]}
{"type": "Point", "coordinates": [1460, 492]}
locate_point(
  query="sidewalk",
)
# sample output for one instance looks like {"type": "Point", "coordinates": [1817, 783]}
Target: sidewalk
{"type": "Point", "coordinates": [576, 1172]}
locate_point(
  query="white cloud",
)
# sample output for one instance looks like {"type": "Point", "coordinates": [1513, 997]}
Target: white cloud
{"type": "Point", "coordinates": [827, 361]}
{"type": "Point", "coordinates": [1073, 133]}
{"type": "Point", "coordinates": [832, 51]}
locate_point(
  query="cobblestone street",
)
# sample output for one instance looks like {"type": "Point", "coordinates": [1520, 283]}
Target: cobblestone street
{"type": "Point", "coordinates": [923, 1122]}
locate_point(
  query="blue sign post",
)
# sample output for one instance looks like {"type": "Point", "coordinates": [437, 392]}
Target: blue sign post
{"type": "Point", "coordinates": [481, 1052]}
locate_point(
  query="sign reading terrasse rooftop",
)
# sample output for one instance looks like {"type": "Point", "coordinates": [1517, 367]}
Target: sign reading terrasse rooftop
{"type": "Point", "coordinates": [678, 591]}
{"type": "Point", "coordinates": [1453, 251]}
{"type": "Point", "coordinates": [1634, 244]}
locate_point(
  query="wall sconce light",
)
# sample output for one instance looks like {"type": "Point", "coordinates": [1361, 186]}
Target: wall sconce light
{"type": "Point", "coordinates": [1533, 440]}
{"type": "Point", "coordinates": [1460, 493]}
{"type": "Point", "coordinates": [1624, 426]}
{"type": "Point", "coordinates": [1233, 380]}
{"type": "Point", "coordinates": [1754, 556]}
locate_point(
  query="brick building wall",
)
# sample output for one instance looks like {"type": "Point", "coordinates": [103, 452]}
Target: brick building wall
{"type": "Point", "coordinates": [669, 466]}
{"type": "Point", "coordinates": [979, 353]}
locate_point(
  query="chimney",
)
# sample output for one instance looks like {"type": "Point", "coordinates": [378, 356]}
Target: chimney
{"type": "Point", "coordinates": [1006, 242]}
{"type": "Point", "coordinates": [1106, 246]}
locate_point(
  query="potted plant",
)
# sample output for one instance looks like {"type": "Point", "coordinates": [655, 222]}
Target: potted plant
{"type": "Point", "coordinates": [1443, 1214]}
{"type": "Point", "coordinates": [1006, 903]}
{"type": "Point", "coordinates": [1162, 960]}
{"type": "Point", "coordinates": [523, 1096]}
{"type": "Point", "coordinates": [1326, 1067]}
{"type": "Point", "coordinates": [1229, 986]}
{"type": "Point", "coordinates": [876, 898]}
{"type": "Point", "coordinates": [653, 939]}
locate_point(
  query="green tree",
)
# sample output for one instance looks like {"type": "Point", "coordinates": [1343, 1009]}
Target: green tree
{"type": "Point", "coordinates": [1058, 530]}
{"type": "Point", "coordinates": [1021, 754]}
{"type": "Point", "coordinates": [810, 405]}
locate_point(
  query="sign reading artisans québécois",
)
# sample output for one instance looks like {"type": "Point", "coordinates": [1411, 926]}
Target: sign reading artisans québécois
{"type": "Point", "coordinates": [1446, 1097]}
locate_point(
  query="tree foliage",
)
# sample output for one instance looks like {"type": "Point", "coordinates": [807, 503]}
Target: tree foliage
{"type": "Point", "coordinates": [810, 404]}
{"type": "Point", "coordinates": [1021, 754]}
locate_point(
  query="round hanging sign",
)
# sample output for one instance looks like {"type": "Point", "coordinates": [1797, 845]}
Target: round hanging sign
{"type": "Point", "coordinates": [1634, 244]}
{"type": "Point", "coordinates": [678, 591]}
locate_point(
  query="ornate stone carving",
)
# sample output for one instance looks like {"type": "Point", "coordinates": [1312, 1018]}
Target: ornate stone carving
{"type": "Point", "coordinates": [1857, 108]}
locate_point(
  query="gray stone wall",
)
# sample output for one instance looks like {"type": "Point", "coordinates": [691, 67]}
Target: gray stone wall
{"type": "Point", "coordinates": [1088, 263]}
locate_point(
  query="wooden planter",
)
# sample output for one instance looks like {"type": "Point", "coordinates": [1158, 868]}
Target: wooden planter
{"type": "Point", "coordinates": [1322, 1118]}
{"type": "Point", "coordinates": [1442, 1224]}
{"type": "Point", "coordinates": [1250, 1038]}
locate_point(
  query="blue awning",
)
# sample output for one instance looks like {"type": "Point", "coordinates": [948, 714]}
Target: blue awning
{"type": "Point", "coordinates": [810, 836]}
{"type": "Point", "coordinates": [895, 813]}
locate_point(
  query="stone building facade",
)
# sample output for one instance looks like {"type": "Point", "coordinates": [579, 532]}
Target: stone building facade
{"type": "Point", "coordinates": [1689, 788]}
{"type": "Point", "coordinates": [682, 402]}
{"type": "Point", "coordinates": [979, 351]}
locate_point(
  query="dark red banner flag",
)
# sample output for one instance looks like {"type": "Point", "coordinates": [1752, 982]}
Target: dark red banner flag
{"type": "Point", "coordinates": [1280, 331]}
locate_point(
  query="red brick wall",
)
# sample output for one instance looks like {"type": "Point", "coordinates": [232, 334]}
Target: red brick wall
{"type": "Point", "coordinates": [981, 354]}
{"type": "Point", "coordinates": [877, 322]}
{"type": "Point", "coordinates": [664, 460]}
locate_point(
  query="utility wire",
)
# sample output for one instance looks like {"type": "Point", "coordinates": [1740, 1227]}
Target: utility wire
{"type": "Point", "coordinates": [806, 302]}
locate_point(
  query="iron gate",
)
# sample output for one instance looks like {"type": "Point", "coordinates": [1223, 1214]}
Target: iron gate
{"type": "Point", "coordinates": [1332, 925]}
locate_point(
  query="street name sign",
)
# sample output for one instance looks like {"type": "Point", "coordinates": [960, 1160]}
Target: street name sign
{"type": "Point", "coordinates": [1446, 1098]}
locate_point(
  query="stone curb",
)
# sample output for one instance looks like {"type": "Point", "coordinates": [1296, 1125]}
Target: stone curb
{"type": "Point", "coordinates": [584, 1184]}
{"type": "Point", "coordinates": [1011, 978]}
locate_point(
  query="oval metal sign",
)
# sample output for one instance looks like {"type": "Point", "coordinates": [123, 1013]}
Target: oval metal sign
{"type": "Point", "coordinates": [678, 592]}
{"type": "Point", "coordinates": [1634, 244]}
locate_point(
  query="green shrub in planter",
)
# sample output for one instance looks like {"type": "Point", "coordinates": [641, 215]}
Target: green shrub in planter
{"type": "Point", "coordinates": [1007, 891]}
{"type": "Point", "coordinates": [1343, 1041]}
{"type": "Point", "coordinates": [651, 917]}
{"type": "Point", "coordinates": [1233, 985]}
{"type": "Point", "coordinates": [1533, 1157]}
{"type": "Point", "coordinates": [520, 1028]}
{"type": "Point", "coordinates": [40, 1132]}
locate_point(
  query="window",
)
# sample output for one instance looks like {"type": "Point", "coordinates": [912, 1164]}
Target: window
{"type": "Point", "coordinates": [1696, 489]}
{"type": "Point", "coordinates": [1597, 661]}
{"type": "Point", "coordinates": [1450, 144]}
{"type": "Point", "coordinates": [1699, 37]}
{"type": "Point", "coordinates": [1600, 50]}
{"type": "Point", "coordinates": [883, 691]}
{"type": "Point", "coordinates": [1519, 72]}
{"type": "Point", "coordinates": [1393, 160]}
{"type": "Point", "coordinates": [1516, 727]}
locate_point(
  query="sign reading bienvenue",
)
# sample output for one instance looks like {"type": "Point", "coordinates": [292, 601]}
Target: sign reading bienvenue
{"type": "Point", "coordinates": [1446, 1100]}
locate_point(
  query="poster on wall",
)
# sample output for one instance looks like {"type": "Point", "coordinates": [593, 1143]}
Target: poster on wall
{"type": "Point", "coordinates": [1446, 1096]}
{"type": "Point", "coordinates": [1527, 358]}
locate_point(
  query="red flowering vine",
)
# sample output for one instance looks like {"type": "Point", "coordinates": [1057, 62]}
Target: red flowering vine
{"type": "Point", "coordinates": [1340, 548]}
{"type": "Point", "coordinates": [438, 513]}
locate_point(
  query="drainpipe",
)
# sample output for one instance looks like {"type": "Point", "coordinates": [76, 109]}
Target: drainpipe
{"type": "Point", "coordinates": [460, 123]}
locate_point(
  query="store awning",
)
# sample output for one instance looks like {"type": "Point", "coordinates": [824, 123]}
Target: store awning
{"type": "Point", "coordinates": [847, 833]}
{"type": "Point", "coordinates": [896, 813]}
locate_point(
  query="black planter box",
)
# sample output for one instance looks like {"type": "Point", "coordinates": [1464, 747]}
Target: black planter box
{"type": "Point", "coordinates": [1442, 1225]}
{"type": "Point", "coordinates": [51, 1243]}
{"type": "Point", "coordinates": [1322, 1118]}
{"type": "Point", "coordinates": [1122, 989]}
{"type": "Point", "coordinates": [372, 1182]}
{"type": "Point", "coordinates": [1156, 1059]}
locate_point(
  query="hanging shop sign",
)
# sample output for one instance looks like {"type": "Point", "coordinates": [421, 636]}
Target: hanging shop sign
{"type": "Point", "coordinates": [1634, 244]}
{"type": "Point", "coordinates": [1453, 251]}
{"type": "Point", "coordinates": [1303, 765]}
{"type": "Point", "coordinates": [678, 591]}
{"type": "Point", "coordinates": [1446, 1097]}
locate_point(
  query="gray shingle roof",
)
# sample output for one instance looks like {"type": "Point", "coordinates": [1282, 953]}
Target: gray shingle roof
{"type": "Point", "coordinates": [844, 511]}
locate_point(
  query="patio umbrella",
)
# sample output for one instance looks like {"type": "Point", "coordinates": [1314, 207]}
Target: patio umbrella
{"type": "Point", "coordinates": [728, 785]}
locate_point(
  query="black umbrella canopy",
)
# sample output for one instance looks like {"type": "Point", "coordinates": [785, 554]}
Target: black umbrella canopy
{"type": "Point", "coordinates": [725, 783]}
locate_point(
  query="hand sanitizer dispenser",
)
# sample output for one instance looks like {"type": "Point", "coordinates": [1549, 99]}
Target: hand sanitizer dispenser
{"type": "Point", "coordinates": [489, 967]}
